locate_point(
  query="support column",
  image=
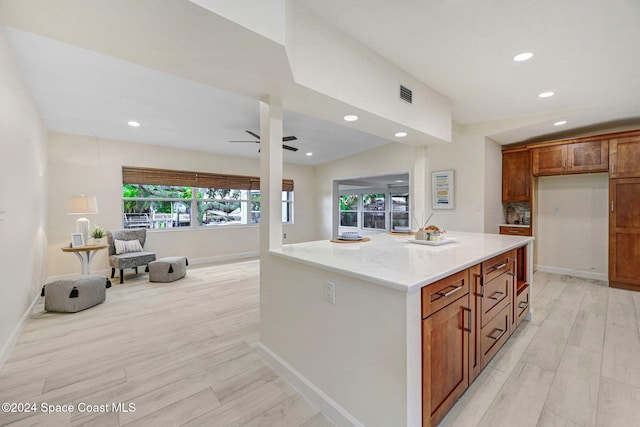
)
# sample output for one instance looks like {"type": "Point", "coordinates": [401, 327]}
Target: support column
{"type": "Point", "coordinates": [270, 174]}
{"type": "Point", "coordinates": [421, 207]}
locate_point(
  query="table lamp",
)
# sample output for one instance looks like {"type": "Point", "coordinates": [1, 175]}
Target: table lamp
{"type": "Point", "coordinates": [83, 205]}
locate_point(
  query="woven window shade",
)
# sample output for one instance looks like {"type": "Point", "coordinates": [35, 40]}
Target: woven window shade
{"type": "Point", "coordinates": [150, 176]}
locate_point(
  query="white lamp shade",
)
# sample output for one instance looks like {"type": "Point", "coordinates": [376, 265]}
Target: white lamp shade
{"type": "Point", "coordinates": [82, 205]}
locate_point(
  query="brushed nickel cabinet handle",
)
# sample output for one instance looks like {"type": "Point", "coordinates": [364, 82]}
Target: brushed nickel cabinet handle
{"type": "Point", "coordinates": [514, 231]}
{"type": "Point", "coordinates": [470, 312]}
{"type": "Point", "coordinates": [500, 296]}
{"type": "Point", "coordinates": [523, 305]}
{"type": "Point", "coordinates": [452, 291]}
{"type": "Point", "coordinates": [612, 206]}
{"type": "Point", "coordinates": [500, 267]}
{"type": "Point", "coordinates": [481, 294]}
{"type": "Point", "coordinates": [501, 333]}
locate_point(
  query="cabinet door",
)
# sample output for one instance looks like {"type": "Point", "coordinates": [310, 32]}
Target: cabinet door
{"type": "Point", "coordinates": [590, 156]}
{"type": "Point", "coordinates": [445, 359]}
{"type": "Point", "coordinates": [549, 160]}
{"type": "Point", "coordinates": [625, 157]}
{"type": "Point", "coordinates": [516, 176]}
{"type": "Point", "coordinates": [624, 232]}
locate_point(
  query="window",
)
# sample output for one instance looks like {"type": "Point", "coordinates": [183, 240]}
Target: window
{"type": "Point", "coordinates": [399, 210]}
{"type": "Point", "coordinates": [375, 208]}
{"type": "Point", "coordinates": [158, 198]}
{"type": "Point", "coordinates": [349, 210]}
{"type": "Point", "coordinates": [373, 211]}
{"type": "Point", "coordinates": [156, 206]}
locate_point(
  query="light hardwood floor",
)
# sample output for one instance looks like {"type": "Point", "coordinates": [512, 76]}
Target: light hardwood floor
{"type": "Point", "coordinates": [183, 353]}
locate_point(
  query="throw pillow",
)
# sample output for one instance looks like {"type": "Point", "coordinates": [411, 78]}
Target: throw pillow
{"type": "Point", "coordinates": [126, 246]}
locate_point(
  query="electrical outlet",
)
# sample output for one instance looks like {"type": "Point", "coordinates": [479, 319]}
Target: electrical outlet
{"type": "Point", "coordinates": [330, 292]}
{"type": "Point", "coordinates": [1, 215]}
{"type": "Point", "coordinates": [284, 236]}
{"type": "Point", "coordinates": [556, 209]}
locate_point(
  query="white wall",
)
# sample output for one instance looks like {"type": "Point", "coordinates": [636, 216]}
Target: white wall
{"type": "Point", "coordinates": [493, 214]}
{"type": "Point", "coordinates": [22, 198]}
{"type": "Point", "coordinates": [466, 156]}
{"type": "Point", "coordinates": [478, 181]}
{"type": "Point", "coordinates": [573, 227]}
{"type": "Point", "coordinates": [93, 166]}
{"type": "Point", "coordinates": [387, 159]}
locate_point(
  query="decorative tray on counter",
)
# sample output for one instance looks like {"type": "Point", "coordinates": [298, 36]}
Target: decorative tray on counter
{"type": "Point", "coordinates": [434, 242]}
{"type": "Point", "coordinates": [350, 235]}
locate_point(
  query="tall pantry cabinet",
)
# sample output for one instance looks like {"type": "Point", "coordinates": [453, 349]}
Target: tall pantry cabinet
{"type": "Point", "coordinates": [624, 212]}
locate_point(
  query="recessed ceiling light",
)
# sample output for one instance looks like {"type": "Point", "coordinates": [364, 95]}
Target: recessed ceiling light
{"type": "Point", "coordinates": [133, 124]}
{"type": "Point", "coordinates": [309, 154]}
{"type": "Point", "coordinates": [351, 117]}
{"type": "Point", "coordinates": [560, 123]}
{"type": "Point", "coordinates": [523, 56]}
{"type": "Point", "coordinates": [399, 180]}
{"type": "Point", "coordinates": [401, 134]}
{"type": "Point", "coordinates": [546, 94]}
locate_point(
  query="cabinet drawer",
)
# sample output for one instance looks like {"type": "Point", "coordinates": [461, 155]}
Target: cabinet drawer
{"type": "Point", "coordinates": [515, 231]}
{"type": "Point", "coordinates": [522, 304]}
{"type": "Point", "coordinates": [441, 293]}
{"type": "Point", "coordinates": [494, 335]}
{"type": "Point", "coordinates": [496, 296]}
{"type": "Point", "coordinates": [496, 266]}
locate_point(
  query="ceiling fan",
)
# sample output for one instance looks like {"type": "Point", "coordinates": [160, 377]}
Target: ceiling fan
{"type": "Point", "coordinates": [284, 139]}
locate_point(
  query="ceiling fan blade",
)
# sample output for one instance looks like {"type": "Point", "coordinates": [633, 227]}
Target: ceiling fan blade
{"type": "Point", "coordinates": [253, 134]}
{"type": "Point", "coordinates": [290, 148]}
{"type": "Point", "coordinates": [289, 138]}
{"type": "Point", "coordinates": [256, 142]}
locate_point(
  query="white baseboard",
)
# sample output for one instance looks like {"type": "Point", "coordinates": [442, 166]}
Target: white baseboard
{"type": "Point", "coordinates": [337, 414]}
{"type": "Point", "coordinates": [8, 346]}
{"type": "Point", "coordinates": [584, 274]}
{"type": "Point", "coordinates": [223, 258]}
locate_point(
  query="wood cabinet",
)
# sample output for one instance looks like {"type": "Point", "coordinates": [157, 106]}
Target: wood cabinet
{"type": "Point", "coordinates": [516, 176]}
{"type": "Point", "coordinates": [575, 157]}
{"type": "Point", "coordinates": [466, 318]}
{"type": "Point", "coordinates": [495, 304]}
{"type": "Point", "coordinates": [624, 233]}
{"type": "Point", "coordinates": [515, 231]}
{"type": "Point", "coordinates": [625, 157]}
{"type": "Point", "coordinates": [445, 348]}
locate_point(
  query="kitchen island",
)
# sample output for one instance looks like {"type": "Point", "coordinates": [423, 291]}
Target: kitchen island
{"type": "Point", "coordinates": [343, 321]}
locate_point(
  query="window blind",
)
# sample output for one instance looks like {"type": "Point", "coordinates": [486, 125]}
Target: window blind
{"type": "Point", "coordinates": [152, 176]}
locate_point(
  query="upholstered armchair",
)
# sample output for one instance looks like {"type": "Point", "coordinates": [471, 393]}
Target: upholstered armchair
{"type": "Point", "coordinates": [126, 250]}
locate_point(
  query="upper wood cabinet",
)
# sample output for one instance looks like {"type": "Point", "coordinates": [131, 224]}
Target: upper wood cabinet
{"type": "Point", "coordinates": [516, 176]}
{"type": "Point", "coordinates": [625, 157]}
{"type": "Point", "coordinates": [577, 157]}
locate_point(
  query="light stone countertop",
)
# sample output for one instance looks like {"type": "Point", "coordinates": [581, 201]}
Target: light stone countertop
{"type": "Point", "coordinates": [392, 261]}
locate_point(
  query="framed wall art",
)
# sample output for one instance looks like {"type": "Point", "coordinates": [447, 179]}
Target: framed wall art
{"type": "Point", "coordinates": [442, 190]}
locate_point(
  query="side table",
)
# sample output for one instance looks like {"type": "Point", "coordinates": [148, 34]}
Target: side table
{"type": "Point", "coordinates": [85, 254]}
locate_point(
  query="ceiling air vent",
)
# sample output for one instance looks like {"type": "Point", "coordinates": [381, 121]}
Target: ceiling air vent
{"type": "Point", "coordinates": [406, 94]}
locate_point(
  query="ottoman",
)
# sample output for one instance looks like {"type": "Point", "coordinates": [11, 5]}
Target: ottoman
{"type": "Point", "coordinates": [76, 293]}
{"type": "Point", "coordinates": [168, 269]}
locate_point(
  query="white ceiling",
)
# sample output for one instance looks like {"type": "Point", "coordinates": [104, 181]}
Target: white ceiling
{"type": "Point", "coordinates": [586, 51]}
{"type": "Point", "coordinates": [87, 93]}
